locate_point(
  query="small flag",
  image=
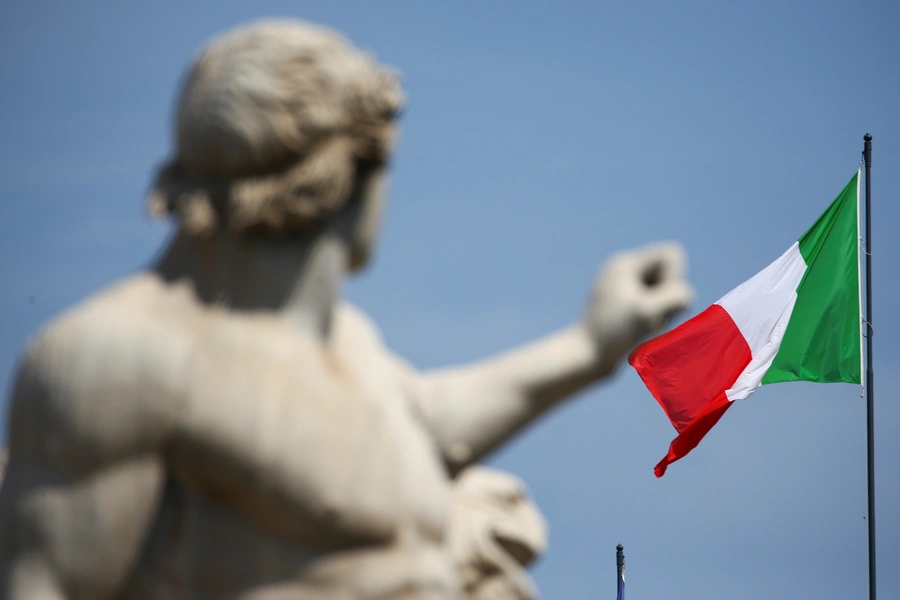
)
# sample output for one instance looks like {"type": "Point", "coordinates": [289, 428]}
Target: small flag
{"type": "Point", "coordinates": [796, 320]}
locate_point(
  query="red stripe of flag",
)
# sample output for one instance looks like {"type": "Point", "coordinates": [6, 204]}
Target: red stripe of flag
{"type": "Point", "coordinates": [688, 371]}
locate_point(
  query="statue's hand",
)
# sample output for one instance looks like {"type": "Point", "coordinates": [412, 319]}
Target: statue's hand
{"type": "Point", "coordinates": [634, 296]}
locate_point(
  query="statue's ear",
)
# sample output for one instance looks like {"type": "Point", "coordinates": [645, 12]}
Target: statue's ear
{"type": "Point", "coordinates": [175, 194]}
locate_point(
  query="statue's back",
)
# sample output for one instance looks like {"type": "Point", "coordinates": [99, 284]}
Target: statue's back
{"type": "Point", "coordinates": [242, 458]}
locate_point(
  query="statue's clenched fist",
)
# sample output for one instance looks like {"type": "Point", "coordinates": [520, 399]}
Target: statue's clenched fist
{"type": "Point", "coordinates": [634, 296]}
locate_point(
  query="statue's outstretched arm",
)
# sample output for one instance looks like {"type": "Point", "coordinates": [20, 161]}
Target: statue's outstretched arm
{"type": "Point", "coordinates": [474, 408]}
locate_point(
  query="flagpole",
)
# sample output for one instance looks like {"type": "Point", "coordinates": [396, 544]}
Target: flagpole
{"type": "Point", "coordinates": [870, 408]}
{"type": "Point", "coordinates": [620, 572]}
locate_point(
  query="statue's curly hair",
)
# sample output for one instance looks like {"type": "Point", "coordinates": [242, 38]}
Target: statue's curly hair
{"type": "Point", "coordinates": [272, 122]}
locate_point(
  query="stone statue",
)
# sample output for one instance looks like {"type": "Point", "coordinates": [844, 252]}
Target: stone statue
{"type": "Point", "coordinates": [222, 426]}
{"type": "Point", "coordinates": [494, 531]}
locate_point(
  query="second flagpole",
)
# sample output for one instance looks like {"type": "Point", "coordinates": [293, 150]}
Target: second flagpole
{"type": "Point", "coordinates": [870, 377]}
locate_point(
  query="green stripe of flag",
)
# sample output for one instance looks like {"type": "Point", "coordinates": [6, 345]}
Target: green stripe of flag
{"type": "Point", "coordinates": [822, 339]}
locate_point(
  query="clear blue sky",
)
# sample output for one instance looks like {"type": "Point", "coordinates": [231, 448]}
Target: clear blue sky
{"type": "Point", "coordinates": [539, 139]}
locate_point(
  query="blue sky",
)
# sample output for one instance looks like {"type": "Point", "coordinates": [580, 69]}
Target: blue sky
{"type": "Point", "coordinates": [539, 139]}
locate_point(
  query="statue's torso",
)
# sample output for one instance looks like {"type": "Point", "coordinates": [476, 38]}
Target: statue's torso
{"type": "Point", "coordinates": [292, 471]}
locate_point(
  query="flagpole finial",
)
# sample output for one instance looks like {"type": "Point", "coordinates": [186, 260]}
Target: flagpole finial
{"type": "Point", "coordinates": [867, 137]}
{"type": "Point", "coordinates": [619, 548]}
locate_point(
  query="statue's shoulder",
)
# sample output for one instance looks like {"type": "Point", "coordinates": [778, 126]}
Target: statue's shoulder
{"type": "Point", "coordinates": [105, 371]}
{"type": "Point", "coordinates": [352, 325]}
{"type": "Point", "coordinates": [119, 323]}
{"type": "Point", "coordinates": [358, 333]}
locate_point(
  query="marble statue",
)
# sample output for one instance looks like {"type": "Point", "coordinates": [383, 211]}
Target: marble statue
{"type": "Point", "coordinates": [494, 532]}
{"type": "Point", "coordinates": [221, 425]}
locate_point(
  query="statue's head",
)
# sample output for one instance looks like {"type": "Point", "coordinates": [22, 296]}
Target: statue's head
{"type": "Point", "coordinates": [281, 128]}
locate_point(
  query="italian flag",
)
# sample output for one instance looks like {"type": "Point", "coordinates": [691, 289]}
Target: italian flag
{"type": "Point", "coordinates": [796, 320]}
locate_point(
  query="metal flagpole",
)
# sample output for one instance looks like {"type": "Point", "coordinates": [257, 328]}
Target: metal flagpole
{"type": "Point", "coordinates": [870, 409]}
{"type": "Point", "coordinates": [620, 573]}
